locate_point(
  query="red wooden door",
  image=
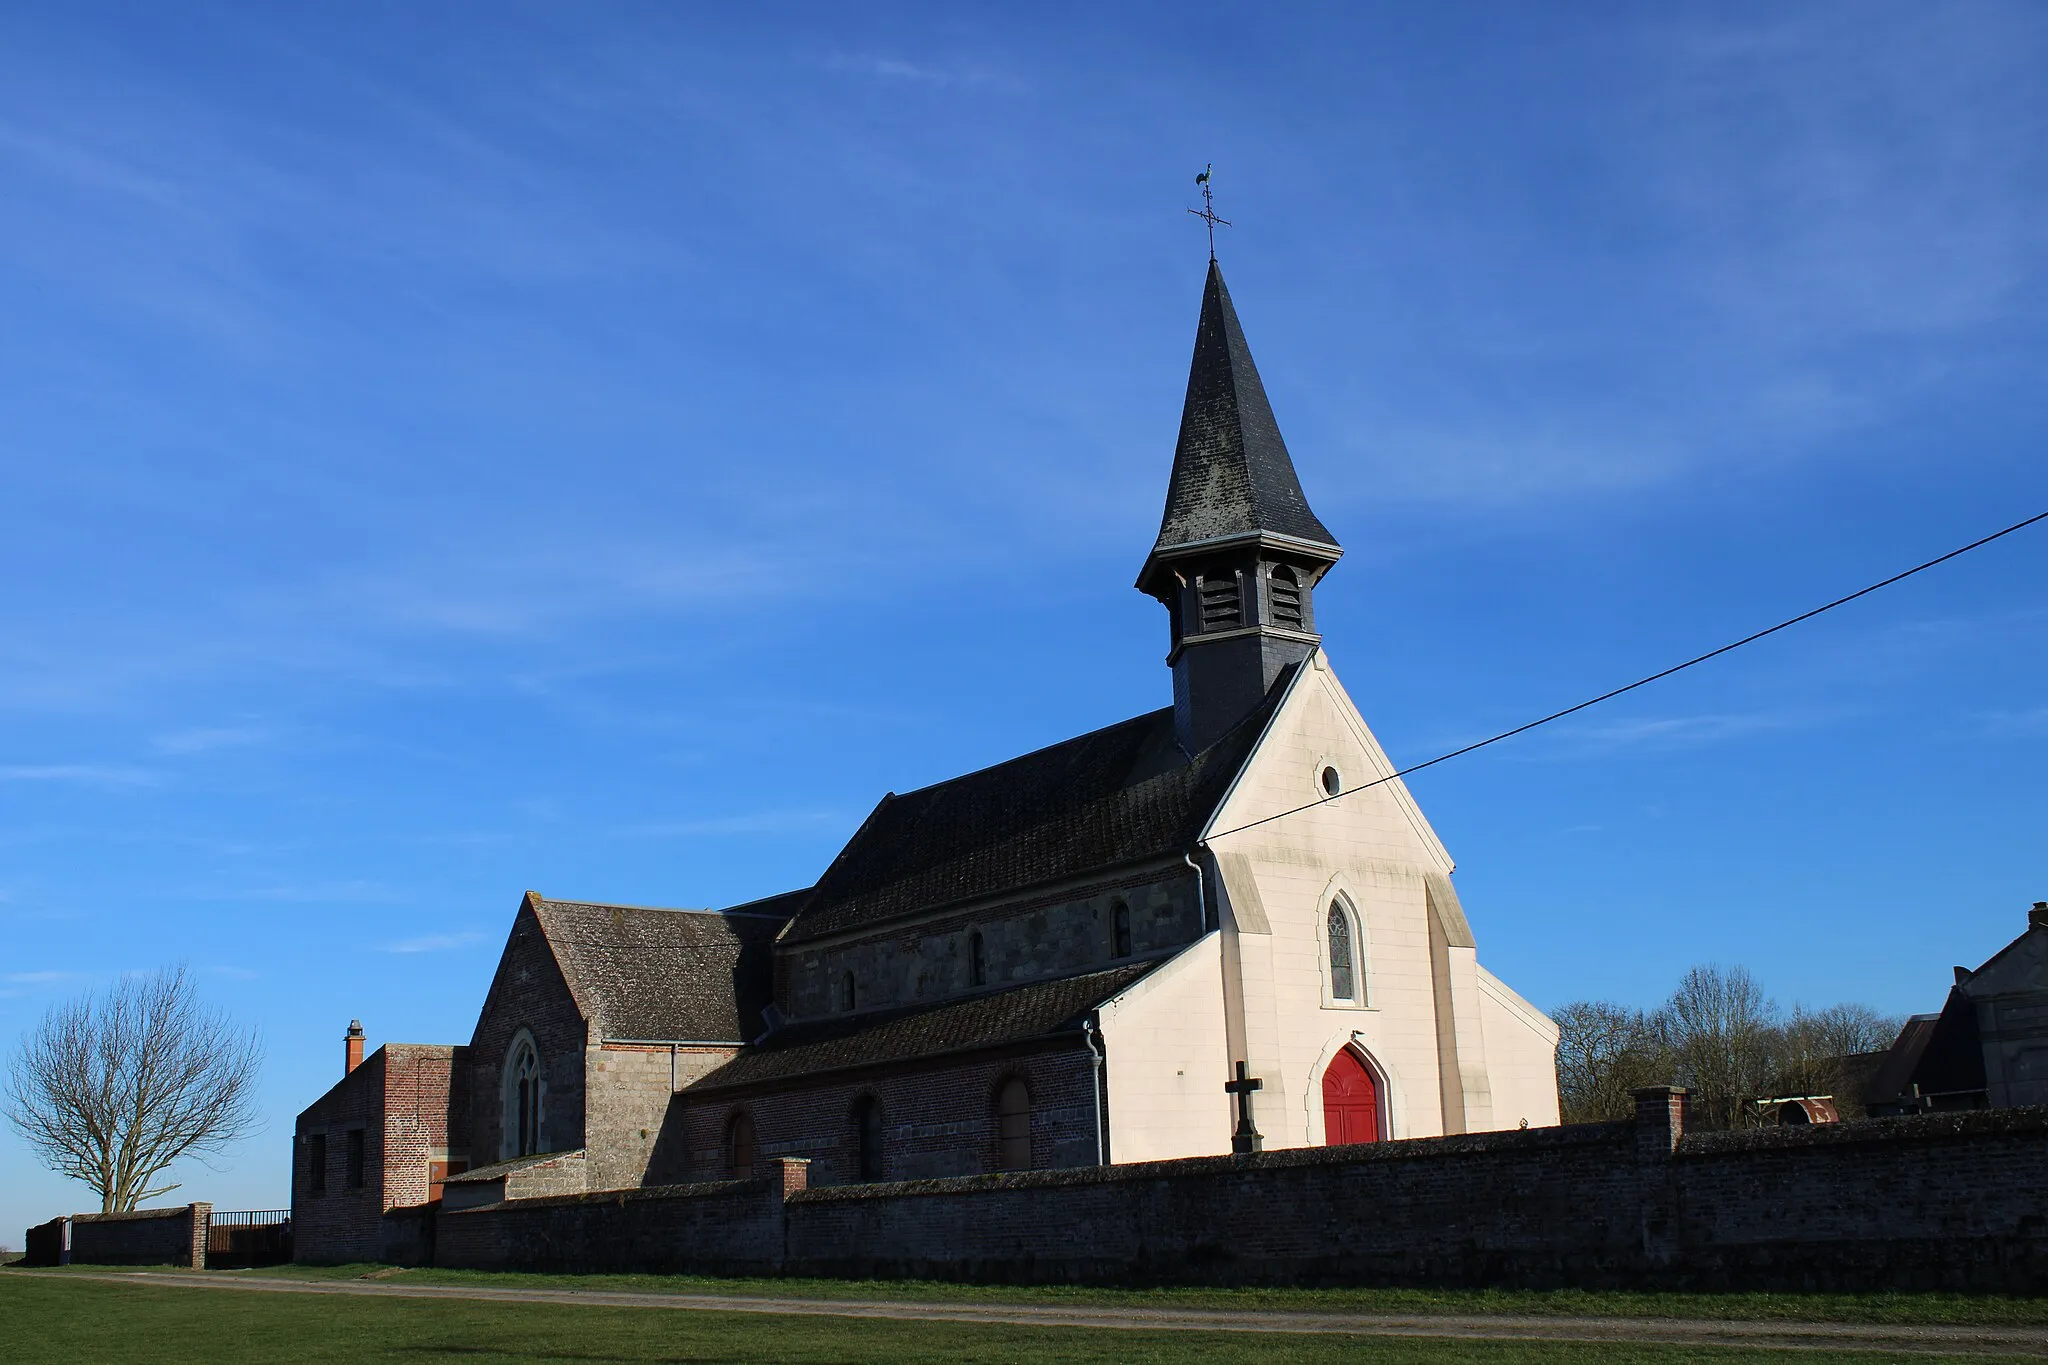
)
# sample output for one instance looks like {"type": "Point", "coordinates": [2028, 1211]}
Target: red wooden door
{"type": "Point", "coordinates": [1351, 1102]}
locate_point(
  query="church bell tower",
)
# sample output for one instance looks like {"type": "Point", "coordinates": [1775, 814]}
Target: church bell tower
{"type": "Point", "coordinates": [1239, 552]}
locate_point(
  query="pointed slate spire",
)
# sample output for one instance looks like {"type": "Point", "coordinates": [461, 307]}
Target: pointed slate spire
{"type": "Point", "coordinates": [1239, 552]}
{"type": "Point", "coordinates": [1232, 476]}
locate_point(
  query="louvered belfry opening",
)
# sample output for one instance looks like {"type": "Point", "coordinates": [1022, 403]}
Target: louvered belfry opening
{"type": "Point", "coordinates": [1222, 602]}
{"type": "Point", "coordinates": [1285, 594]}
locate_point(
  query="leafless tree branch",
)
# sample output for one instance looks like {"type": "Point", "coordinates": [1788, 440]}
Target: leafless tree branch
{"type": "Point", "coordinates": [112, 1089]}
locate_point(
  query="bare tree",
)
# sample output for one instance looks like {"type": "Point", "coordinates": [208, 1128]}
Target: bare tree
{"type": "Point", "coordinates": [112, 1089]}
{"type": "Point", "coordinates": [1604, 1051]}
{"type": "Point", "coordinates": [1827, 1052]}
{"type": "Point", "coordinates": [1721, 1030]}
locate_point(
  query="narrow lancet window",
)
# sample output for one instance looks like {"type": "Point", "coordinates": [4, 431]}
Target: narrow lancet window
{"type": "Point", "coordinates": [977, 960]}
{"type": "Point", "coordinates": [1013, 1125]}
{"type": "Point", "coordinates": [739, 1147]}
{"type": "Point", "coordinates": [1120, 929]}
{"type": "Point", "coordinates": [1343, 961]}
{"type": "Point", "coordinates": [867, 1137]}
{"type": "Point", "coordinates": [523, 1099]}
{"type": "Point", "coordinates": [847, 998]}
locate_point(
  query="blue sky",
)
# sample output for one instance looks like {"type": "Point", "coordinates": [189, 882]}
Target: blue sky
{"type": "Point", "coordinates": [451, 450]}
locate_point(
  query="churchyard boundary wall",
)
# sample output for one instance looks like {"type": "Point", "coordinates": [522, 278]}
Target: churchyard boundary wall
{"type": "Point", "coordinates": [1935, 1201]}
{"type": "Point", "coordinates": [48, 1243]}
{"type": "Point", "coordinates": [733, 1227]}
{"type": "Point", "coordinates": [145, 1237]}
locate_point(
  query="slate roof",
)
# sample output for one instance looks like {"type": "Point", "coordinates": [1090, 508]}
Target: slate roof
{"type": "Point", "coordinates": [1232, 475]}
{"type": "Point", "coordinates": [1022, 1013]}
{"type": "Point", "coordinates": [1121, 794]}
{"type": "Point", "coordinates": [667, 975]}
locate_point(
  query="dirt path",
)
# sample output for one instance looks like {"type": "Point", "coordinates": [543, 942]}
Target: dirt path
{"type": "Point", "coordinates": [1751, 1335]}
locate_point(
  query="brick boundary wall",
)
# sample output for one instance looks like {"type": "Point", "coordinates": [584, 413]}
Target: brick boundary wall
{"type": "Point", "coordinates": [145, 1237]}
{"type": "Point", "coordinates": [45, 1243]}
{"type": "Point", "coordinates": [735, 1226]}
{"type": "Point", "coordinates": [1948, 1200]}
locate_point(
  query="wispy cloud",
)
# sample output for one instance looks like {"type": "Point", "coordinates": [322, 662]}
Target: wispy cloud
{"type": "Point", "coordinates": [2017, 723]}
{"type": "Point", "coordinates": [178, 743]}
{"type": "Point", "coordinates": [763, 822]}
{"type": "Point", "coordinates": [433, 943]}
{"type": "Point", "coordinates": [1663, 734]}
{"type": "Point", "coordinates": [85, 774]}
{"type": "Point", "coordinates": [941, 73]}
{"type": "Point", "coordinates": [310, 893]}
{"type": "Point", "coordinates": [43, 978]}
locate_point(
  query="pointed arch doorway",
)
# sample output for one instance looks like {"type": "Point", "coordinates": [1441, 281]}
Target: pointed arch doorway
{"type": "Point", "coordinates": [1351, 1101]}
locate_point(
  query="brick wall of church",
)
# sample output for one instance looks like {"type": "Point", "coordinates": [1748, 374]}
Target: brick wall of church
{"type": "Point", "coordinates": [406, 1101]}
{"type": "Point", "coordinates": [1037, 939]}
{"type": "Point", "coordinates": [528, 993]}
{"type": "Point", "coordinates": [937, 1120]}
{"type": "Point", "coordinates": [334, 1220]}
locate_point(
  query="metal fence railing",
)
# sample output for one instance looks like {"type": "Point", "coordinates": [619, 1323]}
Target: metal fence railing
{"type": "Point", "coordinates": [253, 1237]}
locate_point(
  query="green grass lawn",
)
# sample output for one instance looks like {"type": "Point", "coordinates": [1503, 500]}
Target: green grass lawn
{"type": "Point", "coordinates": [64, 1321]}
{"type": "Point", "coordinates": [1958, 1309]}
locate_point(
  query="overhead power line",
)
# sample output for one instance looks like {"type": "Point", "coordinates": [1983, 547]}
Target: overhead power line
{"type": "Point", "coordinates": [1642, 682]}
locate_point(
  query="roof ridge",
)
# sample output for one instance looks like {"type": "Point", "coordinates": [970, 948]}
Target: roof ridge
{"type": "Point", "coordinates": [1027, 754]}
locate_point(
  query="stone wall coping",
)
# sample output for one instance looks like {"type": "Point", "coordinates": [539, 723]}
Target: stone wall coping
{"type": "Point", "coordinates": [134, 1215]}
{"type": "Point", "coordinates": [706, 1189]}
{"type": "Point", "coordinates": [1403, 1149]}
{"type": "Point", "coordinates": [1942, 1126]}
{"type": "Point", "coordinates": [500, 1170]}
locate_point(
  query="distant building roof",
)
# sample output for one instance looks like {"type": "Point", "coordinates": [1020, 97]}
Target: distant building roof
{"type": "Point", "coordinates": [640, 972]}
{"type": "Point", "coordinates": [1121, 794]}
{"type": "Point", "coordinates": [1041, 1009]}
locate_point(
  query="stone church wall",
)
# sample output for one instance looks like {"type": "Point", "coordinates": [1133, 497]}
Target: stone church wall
{"type": "Point", "coordinates": [1061, 934]}
{"type": "Point", "coordinates": [1951, 1200]}
{"type": "Point", "coordinates": [632, 1086]}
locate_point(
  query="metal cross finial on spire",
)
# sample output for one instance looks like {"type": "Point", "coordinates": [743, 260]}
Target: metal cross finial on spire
{"type": "Point", "coordinates": [1207, 213]}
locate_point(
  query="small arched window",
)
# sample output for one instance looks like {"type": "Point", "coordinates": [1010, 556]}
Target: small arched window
{"type": "Point", "coordinates": [1343, 954]}
{"type": "Point", "coordinates": [847, 997]}
{"type": "Point", "coordinates": [1013, 1125]}
{"type": "Point", "coordinates": [867, 1139]}
{"type": "Point", "coordinates": [525, 1093]}
{"type": "Point", "coordinates": [977, 960]}
{"type": "Point", "coordinates": [1285, 591]}
{"type": "Point", "coordinates": [739, 1146]}
{"type": "Point", "coordinates": [1120, 929]}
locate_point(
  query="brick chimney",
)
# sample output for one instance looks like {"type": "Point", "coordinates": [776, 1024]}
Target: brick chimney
{"type": "Point", "coordinates": [2038, 916]}
{"type": "Point", "coordinates": [354, 1043]}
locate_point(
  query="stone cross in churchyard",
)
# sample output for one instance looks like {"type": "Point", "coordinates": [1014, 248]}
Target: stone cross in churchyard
{"type": "Point", "coordinates": [1246, 1138]}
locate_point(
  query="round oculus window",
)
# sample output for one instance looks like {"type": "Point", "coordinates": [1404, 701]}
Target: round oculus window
{"type": "Point", "coordinates": [1333, 782]}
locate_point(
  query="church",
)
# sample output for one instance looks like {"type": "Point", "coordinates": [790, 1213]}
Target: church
{"type": "Point", "coordinates": [1221, 926]}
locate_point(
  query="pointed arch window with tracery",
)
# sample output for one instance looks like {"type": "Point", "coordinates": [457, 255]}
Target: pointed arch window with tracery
{"type": "Point", "coordinates": [1341, 934]}
{"type": "Point", "coordinates": [525, 1099]}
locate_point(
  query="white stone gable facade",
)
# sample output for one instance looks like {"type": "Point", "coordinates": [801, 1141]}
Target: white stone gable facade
{"type": "Point", "coordinates": [1448, 1047]}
